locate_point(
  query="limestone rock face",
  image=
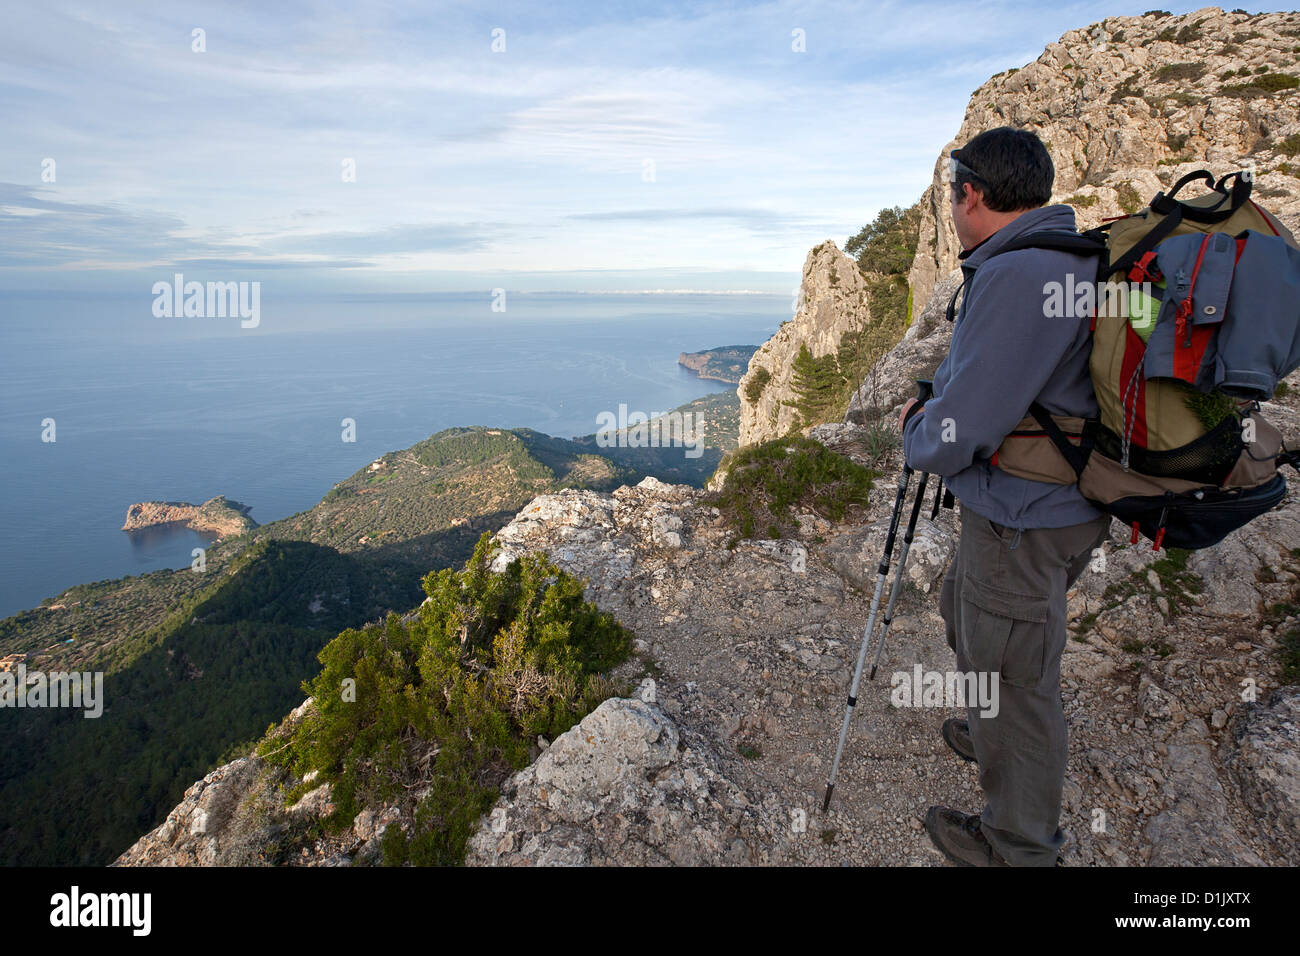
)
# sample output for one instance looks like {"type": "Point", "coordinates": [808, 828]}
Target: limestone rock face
{"type": "Point", "coordinates": [892, 381]}
{"type": "Point", "coordinates": [198, 831]}
{"type": "Point", "coordinates": [1196, 829]}
{"type": "Point", "coordinates": [1136, 102]}
{"type": "Point", "coordinates": [832, 301]}
{"type": "Point", "coordinates": [1266, 764]}
{"type": "Point", "coordinates": [621, 787]}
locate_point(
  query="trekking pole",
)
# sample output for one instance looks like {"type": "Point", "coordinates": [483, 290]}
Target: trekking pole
{"type": "Point", "coordinates": [882, 572]}
{"type": "Point", "coordinates": [902, 560]}
{"type": "Point", "coordinates": [898, 575]}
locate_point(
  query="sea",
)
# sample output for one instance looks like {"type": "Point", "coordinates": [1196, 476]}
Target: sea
{"type": "Point", "coordinates": [102, 404]}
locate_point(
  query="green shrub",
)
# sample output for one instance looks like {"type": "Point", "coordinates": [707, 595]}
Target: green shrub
{"type": "Point", "coordinates": [765, 481]}
{"type": "Point", "coordinates": [1262, 85]}
{"type": "Point", "coordinates": [1129, 88]}
{"type": "Point", "coordinates": [883, 437]}
{"type": "Point", "coordinates": [1289, 146]}
{"type": "Point", "coordinates": [1183, 98]}
{"type": "Point", "coordinates": [451, 699]}
{"type": "Point", "coordinates": [757, 382]}
{"type": "Point", "coordinates": [1129, 200]}
{"type": "Point", "coordinates": [1181, 72]}
{"type": "Point", "coordinates": [1081, 200]}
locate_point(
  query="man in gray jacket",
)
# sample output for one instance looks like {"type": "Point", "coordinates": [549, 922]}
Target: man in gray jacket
{"type": "Point", "coordinates": [1023, 543]}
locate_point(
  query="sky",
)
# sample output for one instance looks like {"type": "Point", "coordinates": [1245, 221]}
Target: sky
{"type": "Point", "coordinates": [529, 146]}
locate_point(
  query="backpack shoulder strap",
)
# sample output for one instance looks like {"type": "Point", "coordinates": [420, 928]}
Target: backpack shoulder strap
{"type": "Point", "coordinates": [1092, 242]}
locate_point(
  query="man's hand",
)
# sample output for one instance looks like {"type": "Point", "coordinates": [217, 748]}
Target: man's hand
{"type": "Point", "coordinates": [902, 416]}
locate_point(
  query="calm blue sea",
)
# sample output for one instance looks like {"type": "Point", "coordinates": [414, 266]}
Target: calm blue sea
{"type": "Point", "coordinates": [184, 409]}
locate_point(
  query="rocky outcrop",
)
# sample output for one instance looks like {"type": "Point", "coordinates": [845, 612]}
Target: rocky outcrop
{"type": "Point", "coordinates": [624, 788]}
{"type": "Point", "coordinates": [218, 515]}
{"type": "Point", "coordinates": [1265, 760]}
{"type": "Point", "coordinates": [743, 656]}
{"type": "Point", "coordinates": [1132, 103]}
{"type": "Point", "coordinates": [201, 830]}
{"type": "Point", "coordinates": [832, 301]}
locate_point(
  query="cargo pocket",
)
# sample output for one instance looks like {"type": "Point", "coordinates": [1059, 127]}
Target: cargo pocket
{"type": "Point", "coordinates": [1004, 631]}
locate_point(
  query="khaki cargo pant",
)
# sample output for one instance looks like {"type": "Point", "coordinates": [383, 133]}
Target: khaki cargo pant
{"type": "Point", "coordinates": [1003, 601]}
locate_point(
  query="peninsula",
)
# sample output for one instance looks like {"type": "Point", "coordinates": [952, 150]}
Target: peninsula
{"type": "Point", "coordinates": [218, 515]}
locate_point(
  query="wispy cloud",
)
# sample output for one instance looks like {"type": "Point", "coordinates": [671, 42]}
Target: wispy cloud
{"type": "Point", "coordinates": [609, 137]}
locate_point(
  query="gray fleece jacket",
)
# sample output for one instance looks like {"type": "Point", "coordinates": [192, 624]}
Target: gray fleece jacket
{"type": "Point", "coordinates": [1006, 352]}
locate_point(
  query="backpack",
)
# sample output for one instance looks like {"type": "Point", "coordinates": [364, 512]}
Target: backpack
{"type": "Point", "coordinates": [1179, 451]}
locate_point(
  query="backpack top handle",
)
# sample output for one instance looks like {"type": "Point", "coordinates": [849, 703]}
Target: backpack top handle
{"type": "Point", "coordinates": [1165, 204]}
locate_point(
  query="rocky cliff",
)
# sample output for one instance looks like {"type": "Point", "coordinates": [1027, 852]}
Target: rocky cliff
{"type": "Point", "coordinates": [1128, 105]}
{"type": "Point", "coordinates": [832, 301]}
{"type": "Point", "coordinates": [1125, 106]}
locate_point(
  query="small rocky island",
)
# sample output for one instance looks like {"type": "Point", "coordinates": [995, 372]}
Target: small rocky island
{"type": "Point", "coordinates": [724, 364]}
{"type": "Point", "coordinates": [218, 515]}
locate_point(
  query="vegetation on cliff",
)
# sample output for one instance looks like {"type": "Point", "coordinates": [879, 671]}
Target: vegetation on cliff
{"type": "Point", "coordinates": [432, 712]}
{"type": "Point", "coordinates": [197, 663]}
{"type": "Point", "coordinates": [765, 482]}
{"type": "Point", "coordinates": [884, 250]}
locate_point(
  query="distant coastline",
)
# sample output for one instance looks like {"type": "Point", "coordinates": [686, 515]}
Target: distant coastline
{"type": "Point", "coordinates": [219, 515]}
{"type": "Point", "coordinates": [726, 363]}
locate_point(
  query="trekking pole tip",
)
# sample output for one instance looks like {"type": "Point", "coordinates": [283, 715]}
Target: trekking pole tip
{"type": "Point", "coordinates": [826, 804]}
{"type": "Point", "coordinates": [872, 676]}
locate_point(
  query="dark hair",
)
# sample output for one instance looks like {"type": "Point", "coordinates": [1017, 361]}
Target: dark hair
{"type": "Point", "coordinates": [1012, 166]}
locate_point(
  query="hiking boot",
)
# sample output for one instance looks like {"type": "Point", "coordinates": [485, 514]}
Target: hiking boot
{"type": "Point", "coordinates": [956, 734]}
{"type": "Point", "coordinates": [959, 838]}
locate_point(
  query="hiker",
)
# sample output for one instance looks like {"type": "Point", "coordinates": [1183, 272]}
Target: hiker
{"type": "Point", "coordinates": [1023, 542]}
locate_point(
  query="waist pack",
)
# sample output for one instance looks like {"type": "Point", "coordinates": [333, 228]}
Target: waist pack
{"type": "Point", "coordinates": [1196, 317]}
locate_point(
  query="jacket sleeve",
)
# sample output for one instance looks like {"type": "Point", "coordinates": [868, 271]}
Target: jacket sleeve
{"type": "Point", "coordinates": [1005, 348]}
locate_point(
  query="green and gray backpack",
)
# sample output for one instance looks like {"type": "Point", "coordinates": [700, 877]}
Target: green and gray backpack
{"type": "Point", "coordinates": [1179, 452]}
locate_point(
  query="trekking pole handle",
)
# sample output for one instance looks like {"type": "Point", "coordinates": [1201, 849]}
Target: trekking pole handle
{"type": "Point", "coordinates": [924, 390]}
